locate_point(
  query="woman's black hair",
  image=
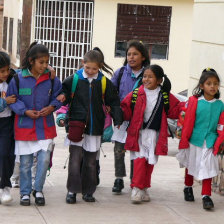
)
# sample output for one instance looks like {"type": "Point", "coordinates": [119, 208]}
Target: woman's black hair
{"type": "Point", "coordinates": [4, 59]}
{"type": "Point", "coordinates": [96, 55]}
{"type": "Point", "coordinates": [138, 45]}
{"type": "Point", "coordinates": [35, 51]}
{"type": "Point", "coordinates": [206, 73]}
{"type": "Point", "coordinates": [165, 87]}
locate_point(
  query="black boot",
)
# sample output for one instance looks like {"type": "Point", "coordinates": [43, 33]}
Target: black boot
{"type": "Point", "coordinates": [188, 194]}
{"type": "Point", "coordinates": [207, 202]}
{"type": "Point", "coordinates": [118, 186]}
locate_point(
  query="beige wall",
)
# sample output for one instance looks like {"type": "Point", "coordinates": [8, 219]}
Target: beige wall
{"type": "Point", "coordinates": [208, 40]}
{"type": "Point", "coordinates": [13, 9]}
{"type": "Point", "coordinates": [177, 65]}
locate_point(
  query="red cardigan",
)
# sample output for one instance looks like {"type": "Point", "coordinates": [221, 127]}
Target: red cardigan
{"type": "Point", "coordinates": [136, 121]}
{"type": "Point", "coordinates": [188, 127]}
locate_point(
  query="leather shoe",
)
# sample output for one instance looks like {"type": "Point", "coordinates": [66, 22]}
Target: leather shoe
{"type": "Point", "coordinates": [188, 194]}
{"type": "Point", "coordinates": [40, 201]}
{"type": "Point", "coordinates": [70, 198]}
{"type": "Point", "coordinates": [207, 202]}
{"type": "Point", "coordinates": [118, 186]}
{"type": "Point", "coordinates": [25, 200]}
{"type": "Point", "coordinates": [88, 198]}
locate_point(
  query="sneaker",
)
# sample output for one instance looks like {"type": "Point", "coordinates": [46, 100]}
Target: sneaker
{"type": "Point", "coordinates": [207, 202]}
{"type": "Point", "coordinates": [136, 195]}
{"type": "Point", "coordinates": [25, 200]}
{"type": "Point", "coordinates": [145, 195]}
{"type": "Point", "coordinates": [188, 194]}
{"type": "Point", "coordinates": [15, 184]}
{"type": "Point", "coordinates": [6, 196]}
{"type": "Point", "coordinates": [1, 191]}
{"type": "Point", "coordinates": [118, 186]}
{"type": "Point", "coordinates": [39, 198]}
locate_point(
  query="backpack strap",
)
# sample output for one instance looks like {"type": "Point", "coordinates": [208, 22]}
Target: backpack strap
{"type": "Point", "coordinates": [52, 83]}
{"type": "Point", "coordinates": [103, 84]}
{"type": "Point", "coordinates": [74, 84]}
{"type": "Point", "coordinates": [134, 98]}
{"type": "Point", "coordinates": [16, 77]}
{"type": "Point", "coordinates": [119, 77]}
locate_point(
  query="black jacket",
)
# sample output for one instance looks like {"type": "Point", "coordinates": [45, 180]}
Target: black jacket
{"type": "Point", "coordinates": [87, 104]}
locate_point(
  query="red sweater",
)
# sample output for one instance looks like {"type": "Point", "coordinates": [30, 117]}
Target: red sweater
{"type": "Point", "coordinates": [136, 121]}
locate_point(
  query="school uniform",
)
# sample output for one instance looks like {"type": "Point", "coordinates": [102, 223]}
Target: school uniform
{"type": "Point", "coordinates": [7, 157]}
{"type": "Point", "coordinates": [87, 107]}
{"type": "Point", "coordinates": [197, 142]}
{"type": "Point", "coordinates": [147, 134]}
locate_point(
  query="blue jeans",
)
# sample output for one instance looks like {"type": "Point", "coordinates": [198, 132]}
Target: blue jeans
{"type": "Point", "coordinates": [26, 162]}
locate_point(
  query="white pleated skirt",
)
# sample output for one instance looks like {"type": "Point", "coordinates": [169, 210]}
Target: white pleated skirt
{"type": "Point", "coordinates": [200, 162]}
{"type": "Point", "coordinates": [147, 143]}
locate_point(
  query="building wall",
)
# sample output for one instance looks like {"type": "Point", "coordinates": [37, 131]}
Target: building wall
{"type": "Point", "coordinates": [177, 65]}
{"type": "Point", "coordinates": [208, 40]}
{"type": "Point", "coordinates": [13, 9]}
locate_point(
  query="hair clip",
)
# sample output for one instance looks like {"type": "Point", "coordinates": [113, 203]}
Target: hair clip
{"type": "Point", "coordinates": [39, 42]}
{"type": "Point", "coordinates": [140, 42]}
{"type": "Point", "coordinates": [208, 69]}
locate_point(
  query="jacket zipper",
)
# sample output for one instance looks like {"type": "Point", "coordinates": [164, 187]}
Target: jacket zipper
{"type": "Point", "coordinates": [90, 106]}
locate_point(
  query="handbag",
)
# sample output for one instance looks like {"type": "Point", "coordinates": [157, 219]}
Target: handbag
{"type": "Point", "coordinates": [76, 131]}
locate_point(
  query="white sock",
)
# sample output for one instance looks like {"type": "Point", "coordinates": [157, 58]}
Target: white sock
{"type": "Point", "coordinates": [205, 196]}
{"type": "Point", "coordinates": [39, 195]}
{"type": "Point", "coordinates": [70, 193]}
{"type": "Point", "coordinates": [25, 197]}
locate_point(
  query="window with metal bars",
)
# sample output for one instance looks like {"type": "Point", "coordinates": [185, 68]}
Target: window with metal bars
{"type": "Point", "coordinates": [147, 23]}
{"type": "Point", "coordinates": [18, 38]}
{"type": "Point", "coordinates": [5, 33]}
{"type": "Point", "coordinates": [10, 35]}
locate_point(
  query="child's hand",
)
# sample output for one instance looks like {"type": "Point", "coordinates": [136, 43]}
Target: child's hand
{"type": "Point", "coordinates": [10, 99]}
{"type": "Point", "coordinates": [61, 98]}
{"type": "Point", "coordinates": [53, 72]}
{"type": "Point", "coordinates": [46, 111]}
{"type": "Point", "coordinates": [32, 114]}
{"type": "Point", "coordinates": [62, 123]}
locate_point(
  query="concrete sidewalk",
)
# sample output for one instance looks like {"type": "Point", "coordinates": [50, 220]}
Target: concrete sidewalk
{"type": "Point", "coordinates": [167, 203]}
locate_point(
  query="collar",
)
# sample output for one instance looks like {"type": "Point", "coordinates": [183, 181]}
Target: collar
{"type": "Point", "coordinates": [136, 74]}
{"type": "Point", "coordinates": [86, 76]}
{"type": "Point", "coordinates": [26, 72]}
{"type": "Point", "coordinates": [203, 98]}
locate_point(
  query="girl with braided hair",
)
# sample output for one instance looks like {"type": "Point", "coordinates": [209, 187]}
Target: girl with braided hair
{"type": "Point", "coordinates": [147, 109]}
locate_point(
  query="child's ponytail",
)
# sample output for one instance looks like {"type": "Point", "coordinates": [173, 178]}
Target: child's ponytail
{"type": "Point", "coordinates": [105, 67]}
{"type": "Point", "coordinates": [36, 50]}
{"type": "Point", "coordinates": [166, 87]}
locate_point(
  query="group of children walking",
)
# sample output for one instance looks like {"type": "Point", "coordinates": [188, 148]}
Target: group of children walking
{"type": "Point", "coordinates": [139, 101]}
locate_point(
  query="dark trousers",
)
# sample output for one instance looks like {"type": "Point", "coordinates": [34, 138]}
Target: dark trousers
{"type": "Point", "coordinates": [84, 182]}
{"type": "Point", "coordinates": [7, 157]}
{"type": "Point", "coordinates": [119, 155]}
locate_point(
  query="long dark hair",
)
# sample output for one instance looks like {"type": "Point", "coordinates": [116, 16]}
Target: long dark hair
{"type": "Point", "coordinates": [4, 59]}
{"type": "Point", "coordinates": [138, 45]}
{"type": "Point", "coordinates": [96, 55]}
{"type": "Point", "coordinates": [165, 87]}
{"type": "Point", "coordinates": [35, 51]}
{"type": "Point", "coordinates": [206, 73]}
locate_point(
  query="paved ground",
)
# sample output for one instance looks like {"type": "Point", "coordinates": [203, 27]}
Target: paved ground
{"type": "Point", "coordinates": [166, 206]}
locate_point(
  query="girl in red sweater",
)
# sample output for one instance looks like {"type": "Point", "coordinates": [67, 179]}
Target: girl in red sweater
{"type": "Point", "coordinates": [147, 109]}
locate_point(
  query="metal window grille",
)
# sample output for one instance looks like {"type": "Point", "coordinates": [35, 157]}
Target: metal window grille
{"type": "Point", "coordinates": [18, 37]}
{"type": "Point", "coordinates": [65, 27]}
{"type": "Point", "coordinates": [5, 33]}
{"type": "Point", "coordinates": [10, 35]}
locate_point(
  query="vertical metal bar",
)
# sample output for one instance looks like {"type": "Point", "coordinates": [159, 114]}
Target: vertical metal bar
{"type": "Point", "coordinates": [76, 30]}
{"type": "Point", "coordinates": [63, 40]}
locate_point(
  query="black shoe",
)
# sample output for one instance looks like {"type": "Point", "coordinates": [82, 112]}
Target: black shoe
{"type": "Point", "coordinates": [40, 201]}
{"type": "Point", "coordinates": [97, 172]}
{"type": "Point", "coordinates": [188, 194]}
{"type": "Point", "coordinates": [88, 198]}
{"type": "Point", "coordinates": [207, 202]}
{"type": "Point", "coordinates": [71, 198]}
{"type": "Point", "coordinates": [25, 202]}
{"type": "Point", "coordinates": [118, 186]}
